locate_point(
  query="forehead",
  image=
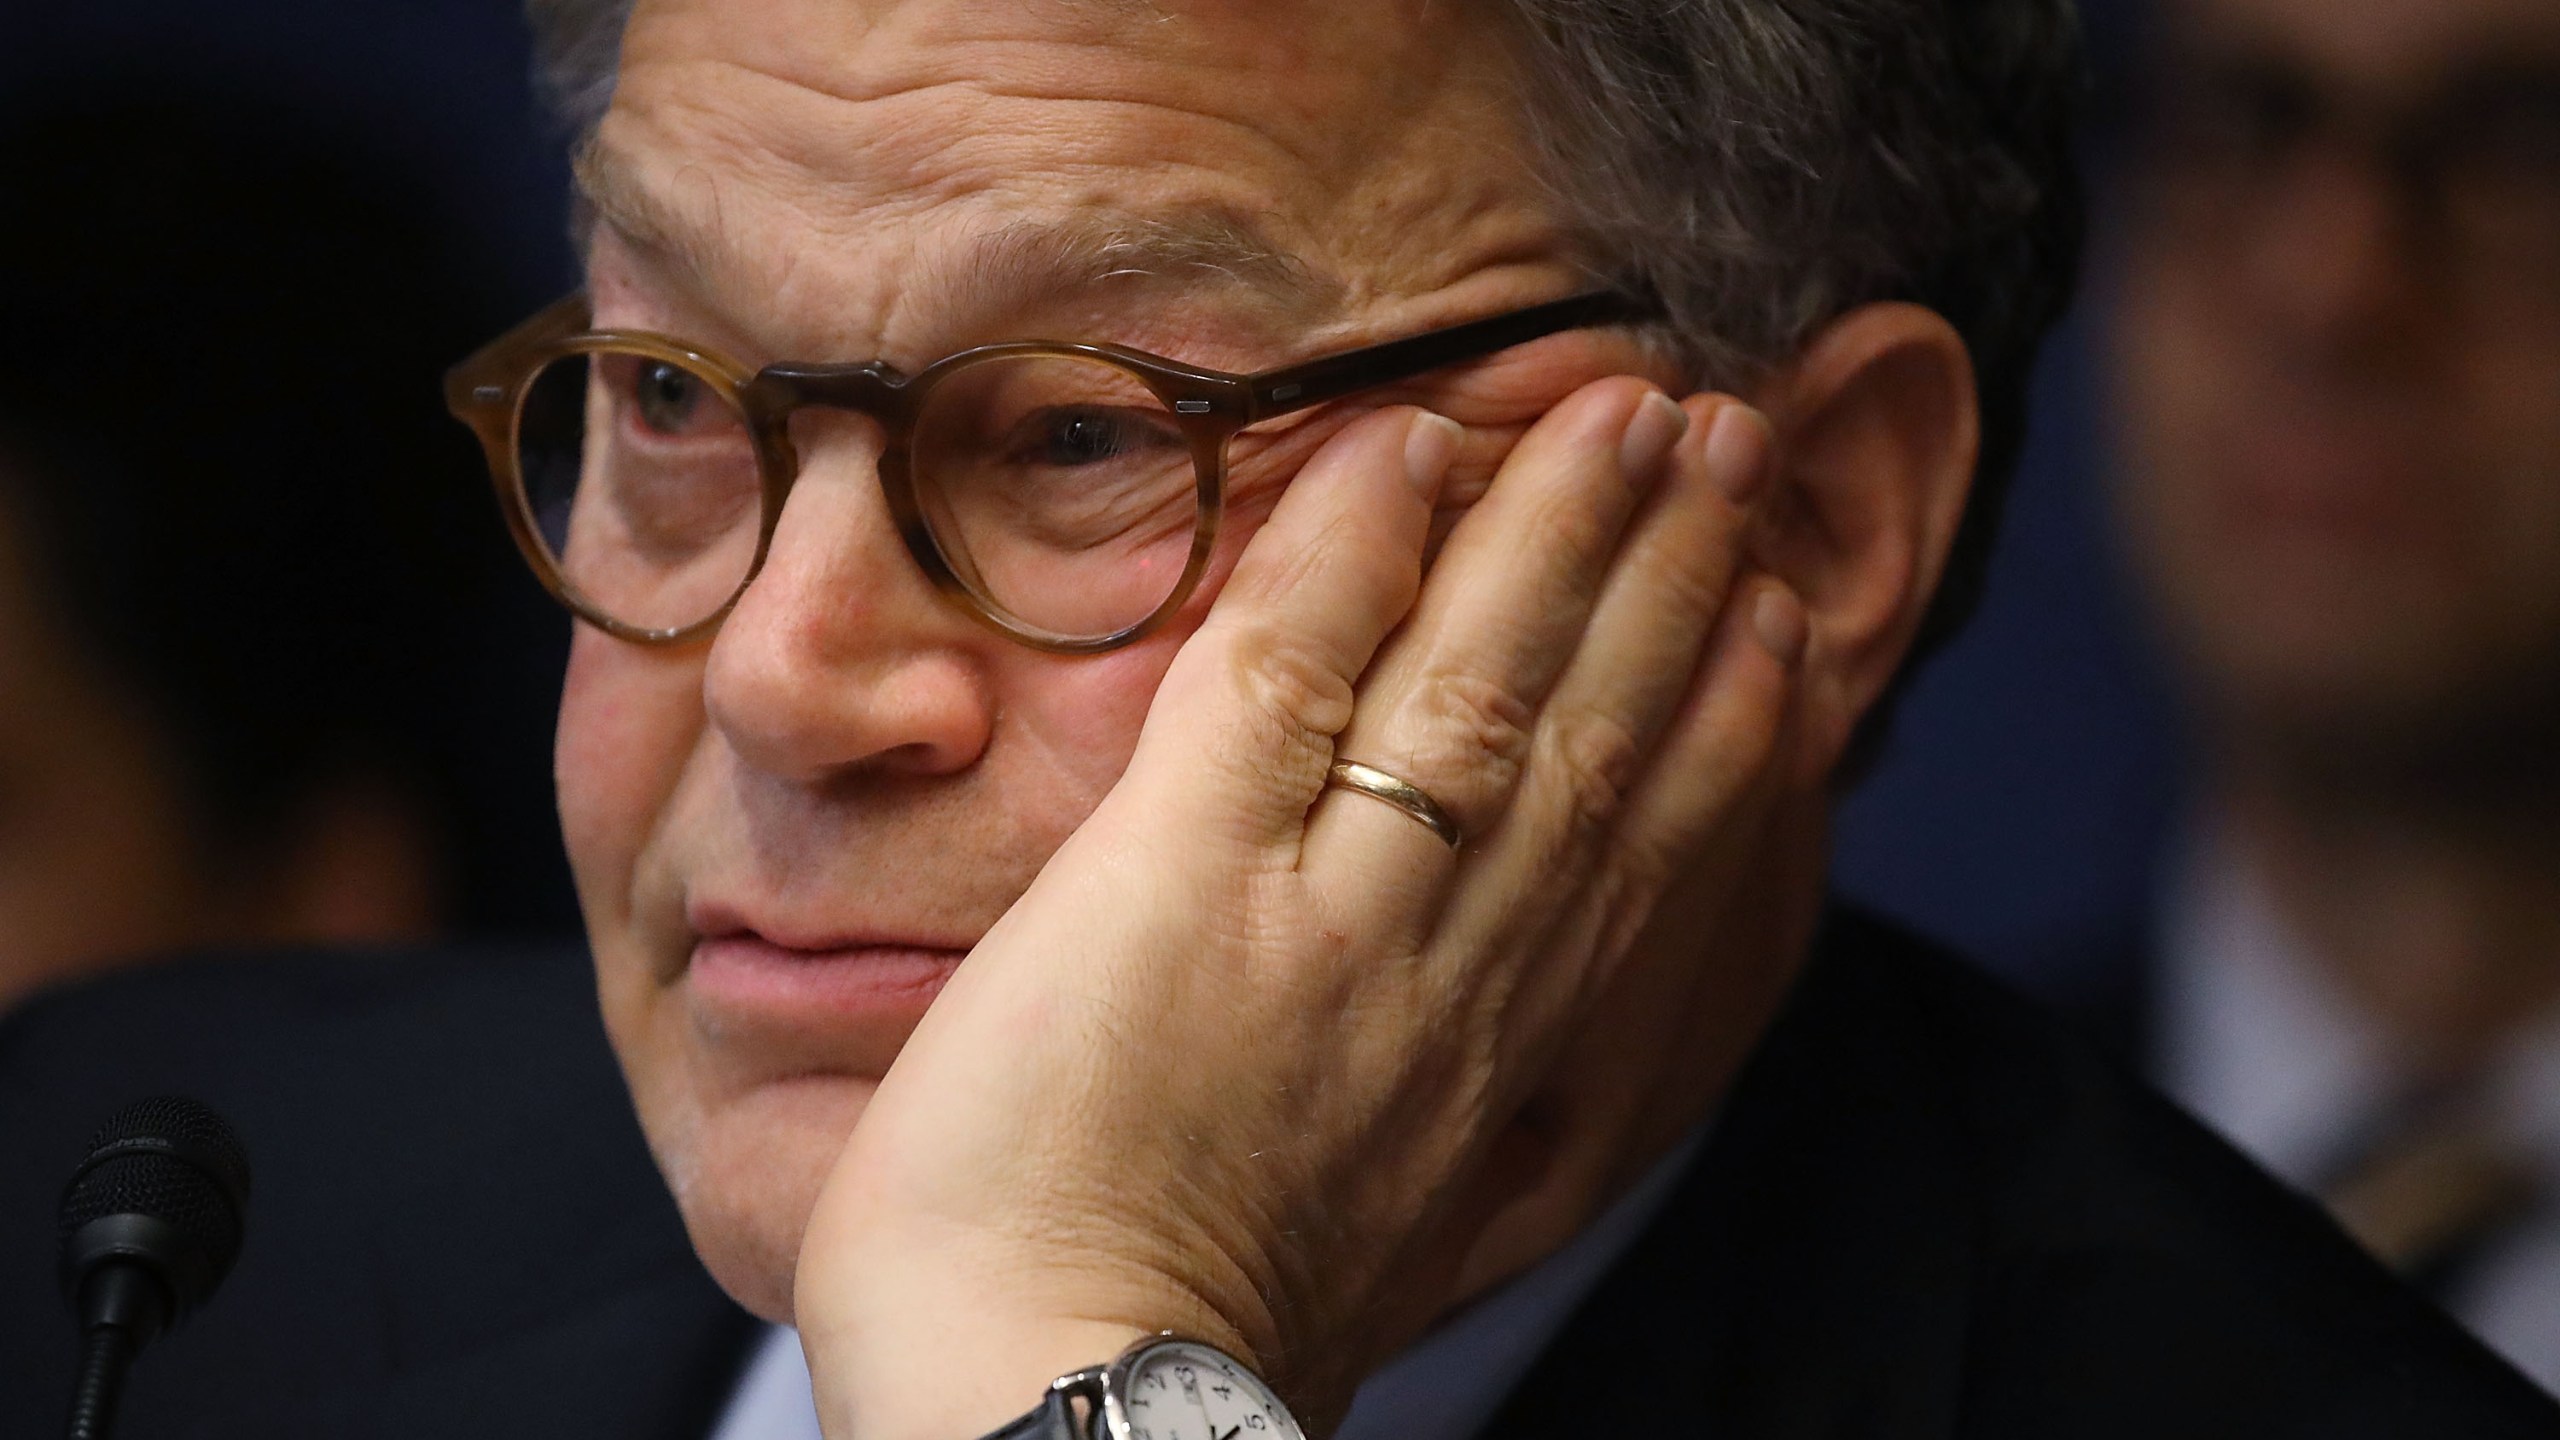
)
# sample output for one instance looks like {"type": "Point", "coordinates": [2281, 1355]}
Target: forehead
{"type": "Point", "coordinates": [2382, 44]}
{"type": "Point", "coordinates": [861, 159]}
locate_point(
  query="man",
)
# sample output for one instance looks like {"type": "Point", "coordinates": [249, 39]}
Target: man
{"type": "Point", "coordinates": [995, 459]}
{"type": "Point", "coordinates": [2338, 308]}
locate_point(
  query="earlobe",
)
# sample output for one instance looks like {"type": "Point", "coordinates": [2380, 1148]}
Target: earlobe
{"type": "Point", "coordinates": [1877, 435]}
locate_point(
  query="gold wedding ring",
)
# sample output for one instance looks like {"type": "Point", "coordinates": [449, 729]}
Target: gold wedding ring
{"type": "Point", "coordinates": [1402, 794]}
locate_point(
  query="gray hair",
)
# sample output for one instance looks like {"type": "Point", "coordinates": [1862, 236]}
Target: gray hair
{"type": "Point", "coordinates": [1760, 167]}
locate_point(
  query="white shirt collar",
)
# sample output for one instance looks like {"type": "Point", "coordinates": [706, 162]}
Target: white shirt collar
{"type": "Point", "coordinates": [2253, 1037]}
{"type": "Point", "coordinates": [772, 1401]}
{"type": "Point", "coordinates": [2256, 1041]}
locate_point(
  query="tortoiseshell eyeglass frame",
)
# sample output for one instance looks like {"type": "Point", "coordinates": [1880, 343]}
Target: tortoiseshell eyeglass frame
{"type": "Point", "coordinates": [487, 392]}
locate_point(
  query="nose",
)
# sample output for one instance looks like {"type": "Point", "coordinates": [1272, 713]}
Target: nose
{"type": "Point", "coordinates": [840, 656]}
{"type": "Point", "coordinates": [2336, 261]}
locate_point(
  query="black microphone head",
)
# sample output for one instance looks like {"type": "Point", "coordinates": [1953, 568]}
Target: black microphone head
{"type": "Point", "coordinates": [164, 1188]}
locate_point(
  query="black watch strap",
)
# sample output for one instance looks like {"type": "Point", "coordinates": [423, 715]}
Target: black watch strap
{"type": "Point", "coordinates": [1054, 1418]}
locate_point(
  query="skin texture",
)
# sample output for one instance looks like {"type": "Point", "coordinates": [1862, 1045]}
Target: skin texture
{"type": "Point", "coordinates": [1358, 1078]}
{"type": "Point", "coordinates": [2343, 489]}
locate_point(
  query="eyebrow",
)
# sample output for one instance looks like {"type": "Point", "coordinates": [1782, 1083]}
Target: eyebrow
{"type": "Point", "coordinates": [1017, 263]}
{"type": "Point", "coordinates": [1090, 247]}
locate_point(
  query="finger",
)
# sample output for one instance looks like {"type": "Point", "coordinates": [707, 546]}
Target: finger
{"type": "Point", "coordinates": [1238, 737]}
{"type": "Point", "coordinates": [1703, 800]}
{"type": "Point", "coordinates": [1723, 759]}
{"type": "Point", "coordinates": [1730, 727]}
{"type": "Point", "coordinates": [1651, 627]}
{"type": "Point", "coordinates": [1642, 650]}
{"type": "Point", "coordinates": [1450, 704]}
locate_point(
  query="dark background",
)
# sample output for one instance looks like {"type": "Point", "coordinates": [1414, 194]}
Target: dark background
{"type": "Point", "coordinates": [2027, 785]}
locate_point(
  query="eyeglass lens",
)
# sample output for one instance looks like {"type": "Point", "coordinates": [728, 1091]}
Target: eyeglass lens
{"type": "Point", "coordinates": [2481, 160]}
{"type": "Point", "coordinates": [1059, 490]}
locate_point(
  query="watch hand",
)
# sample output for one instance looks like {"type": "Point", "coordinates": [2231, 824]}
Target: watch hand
{"type": "Point", "coordinates": [1230, 1435]}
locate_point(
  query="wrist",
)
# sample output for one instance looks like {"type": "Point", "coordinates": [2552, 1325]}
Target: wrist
{"type": "Point", "coordinates": [921, 1326]}
{"type": "Point", "coordinates": [938, 1379]}
{"type": "Point", "coordinates": [930, 1344]}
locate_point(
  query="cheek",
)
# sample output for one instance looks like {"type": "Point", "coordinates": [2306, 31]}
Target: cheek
{"type": "Point", "coordinates": [629, 718]}
{"type": "Point", "coordinates": [2169, 392]}
{"type": "Point", "coordinates": [2512, 427]}
{"type": "Point", "coordinates": [1082, 717]}
{"type": "Point", "coordinates": [2166, 344]}
{"type": "Point", "coordinates": [1078, 720]}
{"type": "Point", "coordinates": [2512, 384]}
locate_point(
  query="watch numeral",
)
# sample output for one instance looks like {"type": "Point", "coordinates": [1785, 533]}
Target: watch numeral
{"type": "Point", "coordinates": [1253, 1422]}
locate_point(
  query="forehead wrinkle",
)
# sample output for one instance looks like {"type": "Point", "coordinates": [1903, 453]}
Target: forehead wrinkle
{"type": "Point", "coordinates": [928, 205]}
{"type": "Point", "coordinates": [1020, 263]}
{"type": "Point", "coordinates": [1094, 246]}
{"type": "Point", "coordinates": [611, 194]}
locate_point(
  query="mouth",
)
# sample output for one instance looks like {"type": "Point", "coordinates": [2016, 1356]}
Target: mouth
{"type": "Point", "coordinates": [836, 1001]}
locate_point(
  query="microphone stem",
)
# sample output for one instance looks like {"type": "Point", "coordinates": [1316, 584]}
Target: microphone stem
{"type": "Point", "coordinates": [104, 1355]}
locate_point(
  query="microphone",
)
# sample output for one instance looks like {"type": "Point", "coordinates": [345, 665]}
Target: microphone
{"type": "Point", "coordinates": [150, 1224]}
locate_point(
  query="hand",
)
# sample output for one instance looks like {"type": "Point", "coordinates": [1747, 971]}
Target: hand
{"type": "Point", "coordinates": [1232, 1064]}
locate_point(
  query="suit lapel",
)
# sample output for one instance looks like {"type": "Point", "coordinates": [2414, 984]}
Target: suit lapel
{"type": "Point", "coordinates": [653, 1359]}
{"type": "Point", "coordinates": [1810, 1276]}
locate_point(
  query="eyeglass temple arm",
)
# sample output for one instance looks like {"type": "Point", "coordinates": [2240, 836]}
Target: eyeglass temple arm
{"type": "Point", "coordinates": [1278, 392]}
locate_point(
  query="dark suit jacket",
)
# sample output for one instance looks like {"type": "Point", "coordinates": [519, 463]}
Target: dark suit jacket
{"type": "Point", "coordinates": [456, 1230]}
{"type": "Point", "coordinates": [1925, 1211]}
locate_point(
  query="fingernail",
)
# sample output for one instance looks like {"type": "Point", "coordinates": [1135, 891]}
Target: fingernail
{"type": "Point", "coordinates": [1777, 617]}
{"type": "Point", "coordinates": [1738, 452]}
{"type": "Point", "coordinates": [1657, 423]}
{"type": "Point", "coordinates": [1429, 447]}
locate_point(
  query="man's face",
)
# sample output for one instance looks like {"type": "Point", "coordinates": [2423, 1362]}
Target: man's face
{"type": "Point", "coordinates": [2342, 407]}
{"type": "Point", "coordinates": [787, 838]}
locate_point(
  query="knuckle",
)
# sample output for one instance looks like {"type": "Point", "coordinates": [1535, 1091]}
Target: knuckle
{"type": "Point", "coordinates": [1290, 687]}
{"type": "Point", "coordinates": [1484, 726]}
{"type": "Point", "coordinates": [1596, 760]}
{"type": "Point", "coordinates": [1641, 868]}
{"type": "Point", "coordinates": [1693, 588]}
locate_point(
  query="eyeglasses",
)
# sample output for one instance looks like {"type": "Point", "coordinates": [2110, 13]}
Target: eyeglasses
{"type": "Point", "coordinates": [1068, 495]}
{"type": "Point", "coordinates": [2475, 167]}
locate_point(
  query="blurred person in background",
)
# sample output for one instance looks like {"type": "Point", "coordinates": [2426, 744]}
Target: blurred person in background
{"type": "Point", "coordinates": [2337, 310]}
{"type": "Point", "coordinates": [241, 550]}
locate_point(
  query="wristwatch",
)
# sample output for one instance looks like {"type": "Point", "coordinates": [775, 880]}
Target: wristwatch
{"type": "Point", "coordinates": [1163, 1388]}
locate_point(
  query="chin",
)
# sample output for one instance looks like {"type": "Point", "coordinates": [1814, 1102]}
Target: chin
{"type": "Point", "coordinates": [746, 1171]}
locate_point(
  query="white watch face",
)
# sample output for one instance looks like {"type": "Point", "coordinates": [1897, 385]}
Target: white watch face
{"type": "Point", "coordinates": [1175, 1390]}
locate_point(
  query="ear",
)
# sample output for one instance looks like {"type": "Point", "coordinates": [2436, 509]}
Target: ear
{"type": "Point", "coordinates": [1876, 432]}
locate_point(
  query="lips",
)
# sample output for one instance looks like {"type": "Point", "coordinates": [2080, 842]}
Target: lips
{"type": "Point", "coordinates": [750, 970]}
{"type": "Point", "coordinates": [837, 1003]}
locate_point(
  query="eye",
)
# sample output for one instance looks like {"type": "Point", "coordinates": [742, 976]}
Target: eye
{"type": "Point", "coordinates": [2241, 112]}
{"type": "Point", "coordinates": [1071, 438]}
{"type": "Point", "coordinates": [669, 397]}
